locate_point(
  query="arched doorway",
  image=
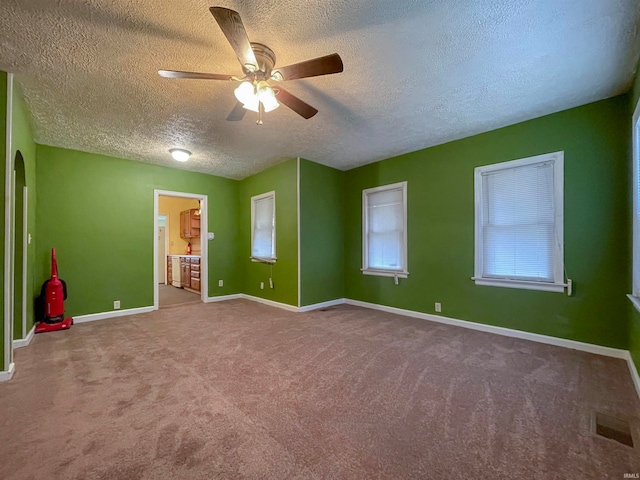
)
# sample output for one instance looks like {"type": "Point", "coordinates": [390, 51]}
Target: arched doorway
{"type": "Point", "coordinates": [19, 250]}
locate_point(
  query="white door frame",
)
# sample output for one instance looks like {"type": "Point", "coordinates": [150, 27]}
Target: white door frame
{"type": "Point", "coordinates": [7, 367]}
{"type": "Point", "coordinates": [204, 243]}
{"type": "Point", "coordinates": [25, 252]}
{"type": "Point", "coordinates": [167, 239]}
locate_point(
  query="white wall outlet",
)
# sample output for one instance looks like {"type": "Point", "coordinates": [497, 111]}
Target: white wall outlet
{"type": "Point", "coordinates": [220, 283]}
{"type": "Point", "coordinates": [271, 283]}
{"type": "Point", "coordinates": [210, 236]}
{"type": "Point", "coordinates": [261, 285]}
{"type": "Point", "coordinates": [116, 305]}
{"type": "Point", "coordinates": [438, 307]}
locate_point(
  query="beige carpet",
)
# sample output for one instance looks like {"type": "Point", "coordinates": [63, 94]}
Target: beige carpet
{"type": "Point", "coordinates": [169, 295]}
{"type": "Point", "coordinates": [241, 390]}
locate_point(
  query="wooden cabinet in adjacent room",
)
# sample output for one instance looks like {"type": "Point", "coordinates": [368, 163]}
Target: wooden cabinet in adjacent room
{"type": "Point", "coordinates": [190, 223]}
{"type": "Point", "coordinates": [195, 274]}
{"type": "Point", "coordinates": [185, 272]}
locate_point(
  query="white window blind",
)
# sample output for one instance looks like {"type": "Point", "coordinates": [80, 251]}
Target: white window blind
{"type": "Point", "coordinates": [385, 229]}
{"type": "Point", "coordinates": [518, 223]}
{"type": "Point", "coordinates": [520, 228]}
{"type": "Point", "coordinates": [636, 204]}
{"type": "Point", "coordinates": [263, 234]}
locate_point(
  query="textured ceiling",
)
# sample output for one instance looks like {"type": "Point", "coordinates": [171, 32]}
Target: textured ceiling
{"type": "Point", "coordinates": [417, 73]}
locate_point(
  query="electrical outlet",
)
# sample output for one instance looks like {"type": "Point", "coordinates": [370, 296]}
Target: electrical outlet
{"type": "Point", "coordinates": [261, 285]}
{"type": "Point", "coordinates": [220, 283]}
{"type": "Point", "coordinates": [438, 307]}
{"type": "Point", "coordinates": [116, 305]}
{"type": "Point", "coordinates": [271, 283]}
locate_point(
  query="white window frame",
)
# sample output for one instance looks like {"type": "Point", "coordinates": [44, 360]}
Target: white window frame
{"type": "Point", "coordinates": [254, 199]}
{"type": "Point", "coordinates": [558, 284]}
{"type": "Point", "coordinates": [401, 273]}
{"type": "Point", "coordinates": [635, 135]}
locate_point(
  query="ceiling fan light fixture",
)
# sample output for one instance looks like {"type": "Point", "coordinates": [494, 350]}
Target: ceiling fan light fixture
{"type": "Point", "coordinates": [180, 154]}
{"type": "Point", "coordinates": [270, 104]}
{"type": "Point", "coordinates": [252, 104]}
{"type": "Point", "coordinates": [245, 93]}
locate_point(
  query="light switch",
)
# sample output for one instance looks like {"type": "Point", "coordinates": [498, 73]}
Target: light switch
{"type": "Point", "coordinates": [210, 236]}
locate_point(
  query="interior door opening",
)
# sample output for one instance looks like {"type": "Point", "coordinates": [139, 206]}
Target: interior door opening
{"type": "Point", "coordinates": [180, 251]}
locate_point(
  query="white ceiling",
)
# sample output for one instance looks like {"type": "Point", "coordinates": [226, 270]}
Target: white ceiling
{"type": "Point", "coordinates": [417, 73]}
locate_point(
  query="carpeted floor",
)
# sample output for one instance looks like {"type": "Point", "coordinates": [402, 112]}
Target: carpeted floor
{"type": "Point", "coordinates": [240, 390]}
{"type": "Point", "coordinates": [169, 295]}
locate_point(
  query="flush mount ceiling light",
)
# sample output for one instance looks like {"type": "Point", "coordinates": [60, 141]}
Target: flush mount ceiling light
{"type": "Point", "coordinates": [258, 61]}
{"type": "Point", "coordinates": [180, 154]}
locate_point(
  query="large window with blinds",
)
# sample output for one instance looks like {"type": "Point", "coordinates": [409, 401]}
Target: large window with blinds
{"type": "Point", "coordinates": [384, 230]}
{"type": "Point", "coordinates": [263, 227]}
{"type": "Point", "coordinates": [519, 223]}
{"type": "Point", "coordinates": [635, 291]}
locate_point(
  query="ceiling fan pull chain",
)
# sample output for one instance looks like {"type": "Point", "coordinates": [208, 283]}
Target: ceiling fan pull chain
{"type": "Point", "coordinates": [260, 110]}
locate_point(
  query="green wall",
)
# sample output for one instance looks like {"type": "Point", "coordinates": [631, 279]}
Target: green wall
{"type": "Point", "coordinates": [321, 233]}
{"type": "Point", "coordinates": [97, 212]}
{"type": "Point", "coordinates": [283, 179]}
{"type": "Point", "coordinates": [22, 140]}
{"type": "Point", "coordinates": [441, 227]}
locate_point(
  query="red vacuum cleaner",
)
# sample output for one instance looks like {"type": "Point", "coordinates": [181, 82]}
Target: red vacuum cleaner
{"type": "Point", "coordinates": [53, 295]}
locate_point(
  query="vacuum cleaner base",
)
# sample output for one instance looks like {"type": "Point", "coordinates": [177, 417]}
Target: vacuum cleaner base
{"type": "Point", "coordinates": [43, 327]}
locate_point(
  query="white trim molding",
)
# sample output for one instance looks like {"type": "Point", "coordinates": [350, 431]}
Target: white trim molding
{"type": "Point", "coordinates": [366, 268]}
{"type": "Point", "coordinates": [316, 306]}
{"type": "Point", "coordinates": [92, 317]}
{"type": "Point", "coordinates": [204, 241]}
{"type": "Point", "coordinates": [222, 298]}
{"type": "Point", "coordinates": [271, 303]}
{"type": "Point", "coordinates": [24, 342]}
{"type": "Point", "coordinates": [555, 282]}
{"type": "Point", "coordinates": [507, 332]}
{"type": "Point", "coordinates": [6, 375]}
{"type": "Point", "coordinates": [634, 372]}
{"type": "Point", "coordinates": [8, 234]}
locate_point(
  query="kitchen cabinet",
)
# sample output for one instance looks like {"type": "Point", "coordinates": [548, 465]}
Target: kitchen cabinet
{"type": "Point", "coordinates": [185, 272]}
{"type": "Point", "coordinates": [195, 274]}
{"type": "Point", "coordinates": [190, 224]}
{"type": "Point", "coordinates": [169, 271]}
{"type": "Point", "coordinates": [189, 271]}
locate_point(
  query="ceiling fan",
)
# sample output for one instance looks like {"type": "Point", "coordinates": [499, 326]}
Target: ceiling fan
{"type": "Point", "coordinates": [254, 92]}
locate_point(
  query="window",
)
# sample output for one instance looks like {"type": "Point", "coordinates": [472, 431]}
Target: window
{"type": "Point", "coordinates": [636, 207]}
{"type": "Point", "coordinates": [519, 223]}
{"type": "Point", "coordinates": [263, 227]}
{"type": "Point", "coordinates": [384, 230]}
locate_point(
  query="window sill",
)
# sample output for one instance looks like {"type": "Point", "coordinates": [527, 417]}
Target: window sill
{"type": "Point", "coordinates": [635, 300]}
{"type": "Point", "coordinates": [385, 273]}
{"type": "Point", "coordinates": [495, 282]}
{"type": "Point", "coordinates": [263, 260]}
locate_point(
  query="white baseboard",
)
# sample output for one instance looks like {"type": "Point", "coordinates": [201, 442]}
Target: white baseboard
{"type": "Point", "coordinates": [634, 372]}
{"type": "Point", "coordinates": [271, 303]}
{"type": "Point", "coordinates": [316, 306]}
{"type": "Point", "coordinates": [6, 375]}
{"type": "Point", "coordinates": [507, 332]}
{"type": "Point", "coordinates": [23, 342]}
{"type": "Point", "coordinates": [222, 298]}
{"type": "Point", "coordinates": [92, 317]}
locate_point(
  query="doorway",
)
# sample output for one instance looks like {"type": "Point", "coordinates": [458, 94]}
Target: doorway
{"type": "Point", "coordinates": [180, 248]}
{"type": "Point", "coordinates": [19, 249]}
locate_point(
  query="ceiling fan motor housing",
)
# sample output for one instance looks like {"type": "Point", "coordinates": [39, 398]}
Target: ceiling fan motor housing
{"type": "Point", "coordinates": [266, 59]}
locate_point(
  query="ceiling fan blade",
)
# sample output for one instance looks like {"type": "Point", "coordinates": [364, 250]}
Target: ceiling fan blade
{"type": "Point", "coordinates": [197, 75]}
{"type": "Point", "coordinates": [311, 68]}
{"type": "Point", "coordinates": [237, 113]}
{"type": "Point", "coordinates": [232, 27]}
{"type": "Point", "coordinates": [294, 103]}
